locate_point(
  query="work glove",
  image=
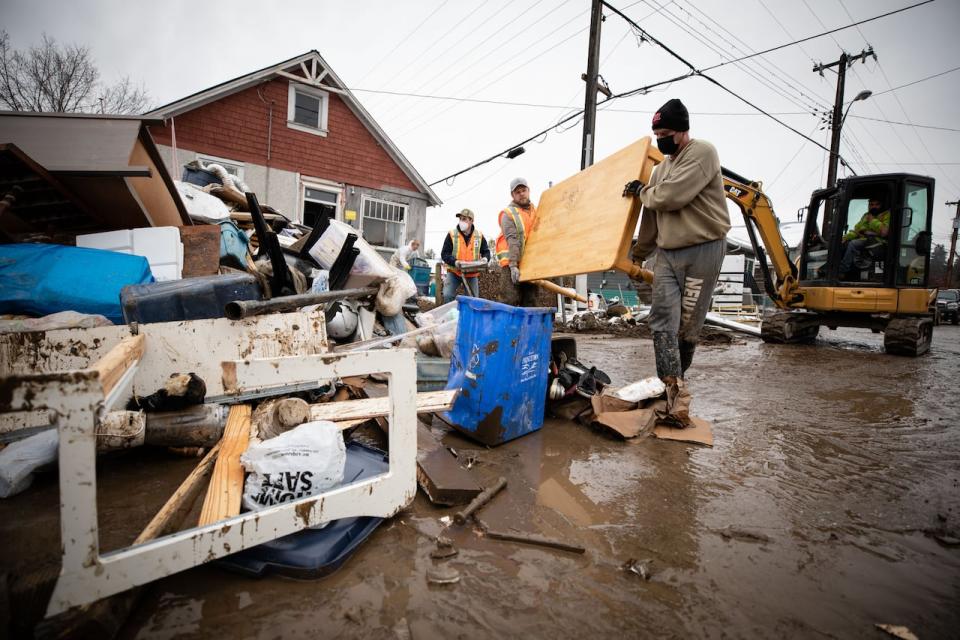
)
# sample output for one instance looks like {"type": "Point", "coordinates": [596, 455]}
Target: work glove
{"type": "Point", "coordinates": [632, 188]}
{"type": "Point", "coordinates": [457, 264]}
{"type": "Point", "coordinates": [515, 274]}
{"type": "Point", "coordinates": [492, 265]}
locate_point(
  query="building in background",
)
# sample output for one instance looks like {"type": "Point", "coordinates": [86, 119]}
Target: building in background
{"type": "Point", "coordinates": [305, 145]}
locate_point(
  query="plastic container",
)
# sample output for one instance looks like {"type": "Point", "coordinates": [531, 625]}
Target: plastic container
{"type": "Point", "coordinates": [189, 299]}
{"type": "Point", "coordinates": [420, 272]}
{"type": "Point", "coordinates": [161, 247]}
{"type": "Point", "coordinates": [500, 362]}
{"type": "Point", "coordinates": [314, 553]}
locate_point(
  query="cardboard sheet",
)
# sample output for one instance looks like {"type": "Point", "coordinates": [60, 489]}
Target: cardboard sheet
{"type": "Point", "coordinates": [700, 433]}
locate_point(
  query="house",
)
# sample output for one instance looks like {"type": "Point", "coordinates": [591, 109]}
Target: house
{"type": "Point", "coordinates": [304, 144]}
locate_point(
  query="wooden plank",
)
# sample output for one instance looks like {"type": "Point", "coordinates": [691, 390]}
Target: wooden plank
{"type": "Point", "coordinates": [584, 223]}
{"type": "Point", "coordinates": [174, 510]}
{"type": "Point", "coordinates": [201, 250]}
{"type": "Point", "coordinates": [115, 363]}
{"type": "Point", "coordinates": [226, 484]}
{"type": "Point", "coordinates": [427, 402]}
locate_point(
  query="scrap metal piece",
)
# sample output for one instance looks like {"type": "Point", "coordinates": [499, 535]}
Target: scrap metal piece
{"type": "Point", "coordinates": [638, 567]}
{"type": "Point", "coordinates": [443, 575]}
{"type": "Point", "coordinates": [461, 516]}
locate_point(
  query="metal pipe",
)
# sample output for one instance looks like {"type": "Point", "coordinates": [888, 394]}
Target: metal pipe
{"type": "Point", "coordinates": [239, 309]}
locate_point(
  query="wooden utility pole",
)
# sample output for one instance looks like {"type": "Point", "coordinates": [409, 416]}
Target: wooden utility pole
{"type": "Point", "coordinates": [836, 120]}
{"type": "Point", "coordinates": [953, 243]}
{"type": "Point", "coordinates": [590, 104]}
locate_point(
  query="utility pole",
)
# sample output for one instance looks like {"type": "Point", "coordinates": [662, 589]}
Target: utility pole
{"type": "Point", "coordinates": [836, 120]}
{"type": "Point", "coordinates": [953, 243]}
{"type": "Point", "coordinates": [590, 104]}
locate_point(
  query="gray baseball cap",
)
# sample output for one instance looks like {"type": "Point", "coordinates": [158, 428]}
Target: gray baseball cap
{"type": "Point", "coordinates": [517, 182]}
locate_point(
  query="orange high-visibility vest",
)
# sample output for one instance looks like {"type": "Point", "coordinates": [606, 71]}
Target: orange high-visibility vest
{"type": "Point", "coordinates": [465, 251]}
{"type": "Point", "coordinates": [523, 219]}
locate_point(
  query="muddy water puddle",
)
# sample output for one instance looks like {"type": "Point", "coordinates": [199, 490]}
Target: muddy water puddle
{"type": "Point", "coordinates": [816, 513]}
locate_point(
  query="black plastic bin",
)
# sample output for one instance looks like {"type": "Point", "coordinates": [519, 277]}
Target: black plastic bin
{"type": "Point", "coordinates": [187, 299]}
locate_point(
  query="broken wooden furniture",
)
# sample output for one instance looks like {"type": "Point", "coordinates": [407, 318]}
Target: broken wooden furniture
{"type": "Point", "coordinates": [79, 397]}
{"type": "Point", "coordinates": [586, 223]}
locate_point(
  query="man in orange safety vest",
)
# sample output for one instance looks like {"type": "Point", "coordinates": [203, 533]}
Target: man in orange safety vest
{"type": "Point", "coordinates": [516, 221]}
{"type": "Point", "coordinates": [462, 245]}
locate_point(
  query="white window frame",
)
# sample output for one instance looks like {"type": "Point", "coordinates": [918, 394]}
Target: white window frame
{"type": "Point", "coordinates": [320, 186]}
{"type": "Point", "coordinates": [206, 159]}
{"type": "Point", "coordinates": [324, 98]}
{"type": "Point", "coordinates": [364, 199]}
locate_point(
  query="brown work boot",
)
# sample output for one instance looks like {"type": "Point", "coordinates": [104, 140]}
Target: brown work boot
{"type": "Point", "coordinates": [677, 413]}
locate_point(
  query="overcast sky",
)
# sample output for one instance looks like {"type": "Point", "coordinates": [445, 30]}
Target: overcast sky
{"type": "Point", "coordinates": [533, 52]}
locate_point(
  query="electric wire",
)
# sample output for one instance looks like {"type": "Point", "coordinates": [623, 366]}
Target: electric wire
{"type": "Point", "coordinates": [554, 126]}
{"type": "Point", "coordinates": [694, 71]}
{"type": "Point", "coordinates": [402, 41]}
{"type": "Point", "coordinates": [775, 73]}
{"type": "Point", "coordinates": [910, 84]}
{"type": "Point", "coordinates": [496, 32]}
{"type": "Point", "coordinates": [427, 118]}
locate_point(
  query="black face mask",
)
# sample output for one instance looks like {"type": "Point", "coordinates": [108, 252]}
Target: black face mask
{"type": "Point", "coordinates": [667, 145]}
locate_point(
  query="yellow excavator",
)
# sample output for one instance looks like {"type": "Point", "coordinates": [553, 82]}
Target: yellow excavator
{"type": "Point", "coordinates": [882, 285]}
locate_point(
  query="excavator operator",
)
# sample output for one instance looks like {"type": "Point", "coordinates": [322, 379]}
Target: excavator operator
{"type": "Point", "coordinates": [870, 232]}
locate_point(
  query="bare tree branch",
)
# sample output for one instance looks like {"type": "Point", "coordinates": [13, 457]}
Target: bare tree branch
{"type": "Point", "coordinates": [62, 78]}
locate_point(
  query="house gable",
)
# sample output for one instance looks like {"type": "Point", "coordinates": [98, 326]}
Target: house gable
{"type": "Point", "coordinates": [247, 124]}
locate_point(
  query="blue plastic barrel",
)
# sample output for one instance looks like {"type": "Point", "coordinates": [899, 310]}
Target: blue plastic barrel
{"type": "Point", "coordinates": [500, 362]}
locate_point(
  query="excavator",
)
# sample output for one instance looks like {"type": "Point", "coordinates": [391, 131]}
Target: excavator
{"type": "Point", "coordinates": [883, 286]}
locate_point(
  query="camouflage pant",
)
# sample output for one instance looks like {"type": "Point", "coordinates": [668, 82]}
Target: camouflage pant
{"type": "Point", "coordinates": [683, 285]}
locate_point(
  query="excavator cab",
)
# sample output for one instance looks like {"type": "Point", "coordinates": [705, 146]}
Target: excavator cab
{"type": "Point", "coordinates": [864, 260]}
{"type": "Point", "coordinates": [874, 233]}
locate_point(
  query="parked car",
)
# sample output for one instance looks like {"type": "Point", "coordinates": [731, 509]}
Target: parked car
{"type": "Point", "coordinates": [948, 305]}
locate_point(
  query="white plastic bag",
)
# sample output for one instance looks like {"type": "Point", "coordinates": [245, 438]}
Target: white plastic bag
{"type": "Point", "coordinates": [641, 390]}
{"type": "Point", "coordinates": [304, 461]}
{"type": "Point", "coordinates": [20, 459]}
{"type": "Point", "coordinates": [394, 291]}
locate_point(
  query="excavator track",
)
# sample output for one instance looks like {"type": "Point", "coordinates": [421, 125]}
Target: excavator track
{"type": "Point", "coordinates": [785, 327]}
{"type": "Point", "coordinates": [908, 336]}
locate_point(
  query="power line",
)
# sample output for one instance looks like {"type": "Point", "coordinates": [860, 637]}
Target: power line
{"type": "Point", "coordinates": [679, 23]}
{"type": "Point", "coordinates": [429, 118]}
{"type": "Point", "coordinates": [694, 71]}
{"type": "Point", "coordinates": [906, 124]}
{"type": "Point", "coordinates": [403, 40]}
{"type": "Point", "coordinates": [909, 84]}
{"type": "Point", "coordinates": [555, 125]}
{"type": "Point", "coordinates": [497, 32]}
{"type": "Point", "coordinates": [819, 35]}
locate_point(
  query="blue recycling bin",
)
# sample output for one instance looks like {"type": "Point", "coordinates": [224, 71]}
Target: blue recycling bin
{"type": "Point", "coordinates": [500, 362]}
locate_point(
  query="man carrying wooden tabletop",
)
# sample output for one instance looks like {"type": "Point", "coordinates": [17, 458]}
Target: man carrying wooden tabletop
{"type": "Point", "coordinates": [516, 221]}
{"type": "Point", "coordinates": [684, 224]}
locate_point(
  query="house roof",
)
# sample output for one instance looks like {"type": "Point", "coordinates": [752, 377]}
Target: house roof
{"type": "Point", "coordinates": [309, 68]}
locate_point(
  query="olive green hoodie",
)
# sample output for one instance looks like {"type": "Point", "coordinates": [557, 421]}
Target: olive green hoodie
{"type": "Point", "coordinates": [684, 204]}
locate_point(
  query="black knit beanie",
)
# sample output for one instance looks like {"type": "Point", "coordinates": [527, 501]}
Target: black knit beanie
{"type": "Point", "coordinates": [673, 115]}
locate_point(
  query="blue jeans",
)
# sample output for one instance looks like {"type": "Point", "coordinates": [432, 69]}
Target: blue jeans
{"type": "Point", "coordinates": [452, 282]}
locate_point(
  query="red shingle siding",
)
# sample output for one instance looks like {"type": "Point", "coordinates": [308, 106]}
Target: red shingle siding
{"type": "Point", "coordinates": [235, 127]}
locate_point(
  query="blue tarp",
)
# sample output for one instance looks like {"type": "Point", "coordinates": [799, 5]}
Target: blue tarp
{"type": "Point", "coordinates": [40, 279]}
{"type": "Point", "coordinates": [500, 363]}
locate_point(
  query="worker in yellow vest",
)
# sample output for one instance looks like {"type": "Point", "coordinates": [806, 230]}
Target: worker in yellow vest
{"type": "Point", "coordinates": [516, 221]}
{"type": "Point", "coordinates": [463, 244]}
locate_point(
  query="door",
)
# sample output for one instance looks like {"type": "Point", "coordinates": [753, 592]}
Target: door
{"type": "Point", "coordinates": [913, 256]}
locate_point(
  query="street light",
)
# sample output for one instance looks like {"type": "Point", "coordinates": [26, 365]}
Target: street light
{"type": "Point", "coordinates": [863, 95]}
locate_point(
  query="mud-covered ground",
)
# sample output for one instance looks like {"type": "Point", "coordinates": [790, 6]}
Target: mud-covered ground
{"type": "Point", "coordinates": [828, 504]}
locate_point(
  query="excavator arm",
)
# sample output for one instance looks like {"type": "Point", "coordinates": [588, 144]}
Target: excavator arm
{"type": "Point", "coordinates": [764, 231]}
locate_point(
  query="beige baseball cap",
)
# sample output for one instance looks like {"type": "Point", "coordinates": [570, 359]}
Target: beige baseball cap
{"type": "Point", "coordinates": [466, 213]}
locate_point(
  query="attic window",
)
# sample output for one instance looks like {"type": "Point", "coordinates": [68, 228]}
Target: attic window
{"type": "Point", "coordinates": [307, 109]}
